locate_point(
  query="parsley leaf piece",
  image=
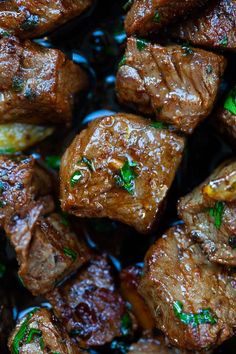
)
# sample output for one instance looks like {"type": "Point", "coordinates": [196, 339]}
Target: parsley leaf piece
{"type": "Point", "coordinates": [88, 162]}
{"type": "Point", "coordinates": [127, 176]}
{"type": "Point", "coordinates": [217, 212]}
{"type": "Point", "coordinates": [33, 332]}
{"type": "Point", "coordinates": [156, 17]}
{"type": "Point", "coordinates": [224, 41]}
{"type": "Point", "coordinates": [159, 125]}
{"type": "Point", "coordinates": [75, 178]}
{"type": "Point", "coordinates": [204, 316]}
{"type": "Point", "coordinates": [122, 62]}
{"type": "Point", "coordinates": [126, 324]}
{"type": "Point", "coordinates": [70, 253]}
{"type": "Point", "coordinates": [53, 161]}
{"type": "Point", "coordinates": [141, 43]}
{"type": "Point", "coordinates": [17, 84]}
{"type": "Point", "coordinates": [230, 103]}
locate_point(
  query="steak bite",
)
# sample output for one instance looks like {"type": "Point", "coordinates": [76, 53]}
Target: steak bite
{"type": "Point", "coordinates": [39, 332]}
{"type": "Point", "coordinates": [209, 212]}
{"type": "Point", "coordinates": [149, 15]}
{"type": "Point", "coordinates": [37, 84]}
{"type": "Point", "coordinates": [213, 27]}
{"type": "Point", "coordinates": [120, 167]}
{"type": "Point", "coordinates": [89, 305]}
{"type": "Point", "coordinates": [227, 114]}
{"type": "Point", "coordinates": [178, 85]}
{"type": "Point", "coordinates": [46, 250]}
{"type": "Point", "coordinates": [28, 19]}
{"type": "Point", "coordinates": [192, 299]}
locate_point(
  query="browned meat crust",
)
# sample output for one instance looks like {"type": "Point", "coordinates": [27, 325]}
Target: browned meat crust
{"type": "Point", "coordinates": [46, 250]}
{"type": "Point", "coordinates": [176, 270]}
{"type": "Point", "coordinates": [27, 19]}
{"type": "Point", "coordinates": [49, 335]}
{"type": "Point", "coordinates": [216, 234]}
{"type": "Point", "coordinates": [89, 305]}
{"type": "Point", "coordinates": [109, 143]}
{"type": "Point", "coordinates": [213, 27]}
{"type": "Point", "coordinates": [37, 84]}
{"type": "Point", "coordinates": [177, 84]}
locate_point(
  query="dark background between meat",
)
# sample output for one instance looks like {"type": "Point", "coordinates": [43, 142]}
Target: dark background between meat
{"type": "Point", "coordinates": [101, 41]}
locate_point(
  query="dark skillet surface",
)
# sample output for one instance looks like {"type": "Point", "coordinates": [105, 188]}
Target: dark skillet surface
{"type": "Point", "coordinates": [97, 40]}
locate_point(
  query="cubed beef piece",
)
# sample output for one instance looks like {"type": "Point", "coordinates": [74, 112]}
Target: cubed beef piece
{"type": "Point", "coordinates": [209, 212]}
{"type": "Point", "coordinates": [46, 249]}
{"type": "Point", "coordinates": [178, 85]}
{"type": "Point", "coordinates": [227, 115]}
{"type": "Point", "coordinates": [37, 84]}
{"type": "Point", "coordinates": [27, 19]}
{"type": "Point", "coordinates": [149, 15]}
{"type": "Point", "coordinates": [120, 167]}
{"type": "Point", "coordinates": [129, 282]}
{"type": "Point", "coordinates": [192, 299]}
{"type": "Point", "coordinates": [89, 305]}
{"type": "Point", "coordinates": [213, 27]}
{"type": "Point", "coordinates": [39, 332]}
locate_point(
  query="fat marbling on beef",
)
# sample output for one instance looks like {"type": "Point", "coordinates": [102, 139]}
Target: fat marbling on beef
{"type": "Point", "coordinates": [46, 250]}
{"type": "Point", "coordinates": [37, 84]}
{"type": "Point", "coordinates": [27, 19]}
{"type": "Point", "coordinates": [178, 85]}
{"type": "Point", "coordinates": [120, 167]}
{"type": "Point", "coordinates": [150, 15]}
{"type": "Point", "coordinates": [209, 212]}
{"type": "Point", "coordinates": [192, 299]}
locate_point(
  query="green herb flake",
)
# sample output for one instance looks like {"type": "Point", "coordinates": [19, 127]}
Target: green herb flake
{"type": "Point", "coordinates": [7, 151]}
{"type": "Point", "coordinates": [70, 253]}
{"type": "Point", "coordinates": [127, 176]}
{"type": "Point", "coordinates": [88, 163]}
{"type": "Point", "coordinates": [141, 44]}
{"type": "Point", "coordinates": [1, 187]}
{"type": "Point", "coordinates": [224, 41]}
{"type": "Point", "coordinates": [159, 125]}
{"type": "Point", "coordinates": [128, 5]}
{"type": "Point", "coordinates": [156, 17]}
{"type": "Point", "coordinates": [53, 161]}
{"type": "Point", "coordinates": [30, 94]}
{"type": "Point", "coordinates": [217, 213]}
{"type": "Point", "coordinates": [230, 103]}
{"type": "Point", "coordinates": [64, 219]}
{"type": "Point", "coordinates": [17, 84]}
{"type": "Point", "coordinates": [75, 178]}
{"type": "Point", "coordinates": [126, 324]}
{"type": "Point", "coordinates": [2, 270]}
{"type": "Point", "coordinates": [30, 22]}
{"type": "Point", "coordinates": [122, 62]}
{"type": "Point", "coordinates": [187, 49]}
{"type": "Point", "coordinates": [204, 316]}
{"type": "Point", "coordinates": [33, 332]}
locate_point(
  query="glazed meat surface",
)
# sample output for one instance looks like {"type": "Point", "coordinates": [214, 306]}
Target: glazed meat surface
{"type": "Point", "coordinates": [192, 299]}
{"type": "Point", "coordinates": [177, 84]}
{"type": "Point", "coordinates": [39, 332]}
{"type": "Point", "coordinates": [150, 15]}
{"type": "Point", "coordinates": [46, 250]}
{"type": "Point", "coordinates": [27, 19]}
{"type": "Point", "coordinates": [213, 27]}
{"type": "Point", "coordinates": [37, 84]}
{"type": "Point", "coordinates": [120, 167]}
{"type": "Point", "coordinates": [209, 212]}
{"type": "Point", "coordinates": [89, 305]}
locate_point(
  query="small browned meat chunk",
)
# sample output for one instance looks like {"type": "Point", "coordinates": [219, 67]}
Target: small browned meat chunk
{"type": "Point", "coordinates": [32, 18]}
{"type": "Point", "coordinates": [192, 299]}
{"type": "Point", "coordinates": [177, 84]}
{"type": "Point", "coordinates": [209, 212]}
{"type": "Point", "coordinates": [213, 27]}
{"type": "Point", "coordinates": [37, 84]}
{"type": "Point", "coordinates": [149, 15]}
{"type": "Point", "coordinates": [120, 167]}
{"type": "Point", "coordinates": [39, 332]}
{"type": "Point", "coordinates": [227, 114]}
{"type": "Point", "coordinates": [89, 305]}
{"type": "Point", "coordinates": [46, 249]}
{"type": "Point", "coordinates": [129, 282]}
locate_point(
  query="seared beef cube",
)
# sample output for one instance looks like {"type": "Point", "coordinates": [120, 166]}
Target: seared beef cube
{"type": "Point", "coordinates": [192, 299]}
{"type": "Point", "coordinates": [129, 282]}
{"type": "Point", "coordinates": [213, 27]}
{"type": "Point", "coordinates": [227, 114]}
{"type": "Point", "coordinates": [46, 250]}
{"type": "Point", "coordinates": [209, 212]}
{"type": "Point", "coordinates": [177, 84]}
{"type": "Point", "coordinates": [40, 332]}
{"type": "Point", "coordinates": [29, 19]}
{"type": "Point", "coordinates": [120, 167]}
{"type": "Point", "coordinates": [89, 305]}
{"type": "Point", "coordinates": [150, 15]}
{"type": "Point", "coordinates": [37, 84]}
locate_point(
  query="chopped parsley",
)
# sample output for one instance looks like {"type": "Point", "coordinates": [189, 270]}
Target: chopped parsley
{"type": "Point", "coordinates": [7, 151]}
{"type": "Point", "coordinates": [224, 41]}
{"type": "Point", "coordinates": [88, 163]}
{"type": "Point", "coordinates": [126, 324]}
{"type": "Point", "coordinates": [122, 62]}
{"type": "Point", "coordinates": [64, 219]}
{"type": "Point", "coordinates": [128, 5]}
{"type": "Point", "coordinates": [141, 44]}
{"type": "Point", "coordinates": [156, 17]}
{"type": "Point", "coordinates": [17, 84]}
{"type": "Point", "coordinates": [160, 125]}
{"type": "Point", "coordinates": [2, 270]}
{"type": "Point", "coordinates": [30, 94]}
{"type": "Point", "coordinates": [204, 316]}
{"type": "Point", "coordinates": [70, 253]}
{"type": "Point", "coordinates": [33, 332]}
{"type": "Point", "coordinates": [230, 103]}
{"type": "Point", "coordinates": [53, 161]}
{"type": "Point", "coordinates": [75, 178]}
{"type": "Point", "coordinates": [126, 177]}
{"type": "Point", "coordinates": [217, 212]}
{"type": "Point", "coordinates": [187, 49]}
{"type": "Point", "coordinates": [30, 22]}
